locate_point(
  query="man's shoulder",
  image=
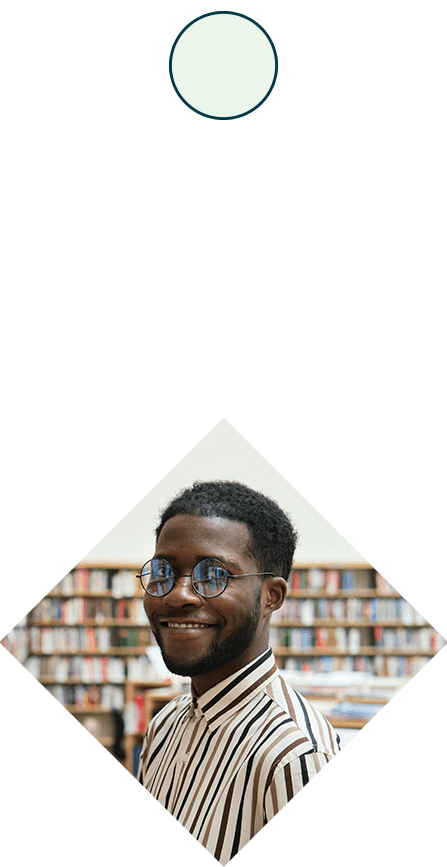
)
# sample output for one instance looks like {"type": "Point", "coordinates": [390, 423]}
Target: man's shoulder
{"type": "Point", "coordinates": [177, 703]}
{"type": "Point", "coordinates": [171, 711]}
{"type": "Point", "coordinates": [304, 717]}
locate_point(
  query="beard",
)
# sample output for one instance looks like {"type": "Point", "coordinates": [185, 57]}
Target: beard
{"type": "Point", "coordinates": [218, 652]}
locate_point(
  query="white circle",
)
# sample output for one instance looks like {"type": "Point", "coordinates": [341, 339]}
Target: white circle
{"type": "Point", "coordinates": [223, 65]}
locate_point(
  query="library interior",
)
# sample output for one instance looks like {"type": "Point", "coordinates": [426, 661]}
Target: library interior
{"type": "Point", "coordinates": [344, 637]}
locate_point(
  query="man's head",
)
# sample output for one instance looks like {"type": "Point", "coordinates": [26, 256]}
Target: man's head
{"type": "Point", "coordinates": [272, 538]}
{"type": "Point", "coordinates": [209, 638]}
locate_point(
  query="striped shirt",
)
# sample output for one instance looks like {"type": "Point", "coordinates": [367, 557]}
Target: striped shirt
{"type": "Point", "coordinates": [224, 763]}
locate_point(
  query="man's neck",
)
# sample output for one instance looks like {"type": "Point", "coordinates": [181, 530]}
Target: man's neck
{"type": "Point", "coordinates": [203, 682]}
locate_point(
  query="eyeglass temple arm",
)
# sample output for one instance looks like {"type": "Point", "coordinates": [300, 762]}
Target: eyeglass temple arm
{"type": "Point", "coordinates": [251, 574]}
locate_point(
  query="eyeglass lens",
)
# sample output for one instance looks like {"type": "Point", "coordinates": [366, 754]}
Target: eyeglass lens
{"type": "Point", "coordinates": [209, 578]}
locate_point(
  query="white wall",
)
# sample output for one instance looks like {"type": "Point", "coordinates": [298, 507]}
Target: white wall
{"type": "Point", "coordinates": [223, 454]}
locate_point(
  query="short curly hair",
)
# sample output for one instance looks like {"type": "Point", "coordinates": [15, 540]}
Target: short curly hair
{"type": "Point", "coordinates": [273, 538]}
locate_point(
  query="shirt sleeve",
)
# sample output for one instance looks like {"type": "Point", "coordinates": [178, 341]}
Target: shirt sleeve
{"type": "Point", "coordinates": [289, 779]}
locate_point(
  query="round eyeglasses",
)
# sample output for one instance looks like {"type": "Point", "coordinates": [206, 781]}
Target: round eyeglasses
{"type": "Point", "coordinates": [209, 578]}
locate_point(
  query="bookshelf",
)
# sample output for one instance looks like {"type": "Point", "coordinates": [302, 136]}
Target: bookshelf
{"type": "Point", "coordinates": [349, 618]}
{"type": "Point", "coordinates": [86, 643]}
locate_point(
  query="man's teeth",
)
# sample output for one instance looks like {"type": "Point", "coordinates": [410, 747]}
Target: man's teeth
{"type": "Point", "coordinates": [188, 625]}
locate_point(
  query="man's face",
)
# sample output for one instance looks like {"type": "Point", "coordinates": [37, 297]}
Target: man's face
{"type": "Point", "coordinates": [230, 629]}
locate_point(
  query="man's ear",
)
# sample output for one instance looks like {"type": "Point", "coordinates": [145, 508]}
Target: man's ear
{"type": "Point", "coordinates": [275, 589]}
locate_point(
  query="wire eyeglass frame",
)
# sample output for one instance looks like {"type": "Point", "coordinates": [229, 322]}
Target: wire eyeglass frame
{"type": "Point", "coordinates": [195, 581]}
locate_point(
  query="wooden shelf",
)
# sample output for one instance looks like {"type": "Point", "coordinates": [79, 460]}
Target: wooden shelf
{"type": "Point", "coordinates": [48, 679]}
{"type": "Point", "coordinates": [91, 621]}
{"type": "Point", "coordinates": [339, 694]}
{"type": "Point", "coordinates": [363, 651]}
{"type": "Point", "coordinates": [92, 594]}
{"type": "Point", "coordinates": [366, 593]}
{"type": "Point", "coordinates": [113, 651]}
{"type": "Point", "coordinates": [333, 622]}
{"type": "Point", "coordinates": [347, 723]}
{"type": "Point", "coordinates": [94, 709]}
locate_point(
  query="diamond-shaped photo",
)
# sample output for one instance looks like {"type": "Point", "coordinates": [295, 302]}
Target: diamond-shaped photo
{"type": "Point", "coordinates": [223, 642]}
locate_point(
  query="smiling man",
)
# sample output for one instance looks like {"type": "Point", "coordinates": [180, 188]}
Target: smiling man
{"type": "Point", "coordinates": [226, 758]}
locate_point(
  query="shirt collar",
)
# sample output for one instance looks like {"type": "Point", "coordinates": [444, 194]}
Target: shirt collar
{"type": "Point", "coordinates": [227, 697]}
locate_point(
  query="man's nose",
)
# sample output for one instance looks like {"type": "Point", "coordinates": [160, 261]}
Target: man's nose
{"type": "Point", "coordinates": [183, 592]}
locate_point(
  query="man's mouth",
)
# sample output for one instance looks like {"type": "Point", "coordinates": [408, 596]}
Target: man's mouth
{"type": "Point", "coordinates": [173, 624]}
{"type": "Point", "coordinates": [185, 629]}
{"type": "Point", "coordinates": [185, 624]}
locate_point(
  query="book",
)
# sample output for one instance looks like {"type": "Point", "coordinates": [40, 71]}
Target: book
{"type": "Point", "coordinates": [321, 637]}
{"type": "Point", "coordinates": [383, 585]}
{"type": "Point", "coordinates": [136, 758]}
{"type": "Point", "coordinates": [127, 637]}
{"type": "Point", "coordinates": [306, 612]}
{"type": "Point", "coordinates": [347, 579]}
{"type": "Point", "coordinates": [315, 579]}
{"type": "Point", "coordinates": [332, 582]}
{"type": "Point", "coordinates": [354, 640]}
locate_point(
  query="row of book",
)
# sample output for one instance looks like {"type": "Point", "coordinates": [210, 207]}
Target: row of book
{"type": "Point", "coordinates": [55, 639]}
{"type": "Point", "coordinates": [303, 638]}
{"type": "Point", "coordinates": [17, 642]}
{"type": "Point", "coordinates": [392, 666]}
{"type": "Point", "coordinates": [424, 638]}
{"type": "Point", "coordinates": [52, 639]}
{"type": "Point", "coordinates": [106, 697]}
{"type": "Point", "coordinates": [92, 669]}
{"type": "Point", "coordinates": [141, 670]}
{"type": "Point", "coordinates": [24, 642]}
{"type": "Point", "coordinates": [121, 582]}
{"type": "Point", "coordinates": [354, 638]}
{"type": "Point", "coordinates": [306, 611]}
{"type": "Point", "coordinates": [333, 580]}
{"type": "Point", "coordinates": [79, 609]}
{"type": "Point", "coordinates": [87, 669]}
